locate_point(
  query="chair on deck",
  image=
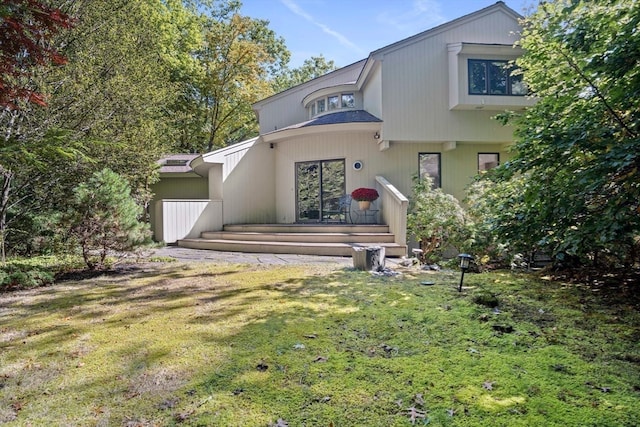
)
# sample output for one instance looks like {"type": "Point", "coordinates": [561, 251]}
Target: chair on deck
{"type": "Point", "coordinates": [342, 209]}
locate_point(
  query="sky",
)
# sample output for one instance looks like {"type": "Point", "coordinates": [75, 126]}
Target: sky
{"type": "Point", "coordinates": [346, 31]}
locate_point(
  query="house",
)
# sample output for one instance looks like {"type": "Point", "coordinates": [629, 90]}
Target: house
{"type": "Point", "coordinates": [421, 105]}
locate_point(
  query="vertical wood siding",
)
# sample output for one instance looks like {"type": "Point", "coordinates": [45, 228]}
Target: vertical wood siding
{"type": "Point", "coordinates": [415, 83]}
{"type": "Point", "coordinates": [285, 109]}
{"type": "Point", "coordinates": [180, 219]}
{"type": "Point", "coordinates": [398, 164]}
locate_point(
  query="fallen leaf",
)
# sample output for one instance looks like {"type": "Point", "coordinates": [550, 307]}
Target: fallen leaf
{"type": "Point", "coordinates": [451, 412]}
{"type": "Point", "coordinates": [415, 413]}
{"type": "Point", "coordinates": [487, 385]}
{"type": "Point", "coordinates": [311, 336]}
{"type": "Point", "coordinates": [262, 367]}
{"type": "Point", "coordinates": [320, 359]}
{"type": "Point", "coordinates": [299, 346]}
{"type": "Point", "coordinates": [419, 399]}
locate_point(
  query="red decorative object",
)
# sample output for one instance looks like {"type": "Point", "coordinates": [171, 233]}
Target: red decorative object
{"type": "Point", "coordinates": [365, 194]}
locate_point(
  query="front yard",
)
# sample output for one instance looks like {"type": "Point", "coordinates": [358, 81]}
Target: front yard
{"type": "Point", "coordinates": [240, 345]}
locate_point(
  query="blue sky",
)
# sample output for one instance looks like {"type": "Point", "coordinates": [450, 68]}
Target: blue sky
{"type": "Point", "coordinates": [348, 30]}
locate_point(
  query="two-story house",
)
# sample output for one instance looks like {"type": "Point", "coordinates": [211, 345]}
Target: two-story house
{"type": "Point", "coordinates": [423, 105]}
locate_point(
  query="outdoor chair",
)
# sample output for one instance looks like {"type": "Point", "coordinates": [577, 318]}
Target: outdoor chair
{"type": "Point", "coordinates": [339, 208]}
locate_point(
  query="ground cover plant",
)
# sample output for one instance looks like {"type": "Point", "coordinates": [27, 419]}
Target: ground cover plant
{"type": "Point", "coordinates": [239, 345]}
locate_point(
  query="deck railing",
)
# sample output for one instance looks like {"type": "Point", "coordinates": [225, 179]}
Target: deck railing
{"type": "Point", "coordinates": [394, 209]}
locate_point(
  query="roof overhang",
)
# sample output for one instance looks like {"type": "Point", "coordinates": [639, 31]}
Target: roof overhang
{"type": "Point", "coordinates": [328, 91]}
{"type": "Point", "coordinates": [280, 135]}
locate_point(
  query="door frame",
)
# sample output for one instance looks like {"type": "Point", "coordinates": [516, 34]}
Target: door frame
{"type": "Point", "coordinates": [321, 207]}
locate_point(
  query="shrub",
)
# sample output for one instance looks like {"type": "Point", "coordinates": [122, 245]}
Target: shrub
{"type": "Point", "coordinates": [14, 277]}
{"type": "Point", "coordinates": [436, 220]}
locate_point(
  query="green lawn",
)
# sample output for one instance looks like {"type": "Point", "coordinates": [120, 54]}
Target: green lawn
{"type": "Point", "coordinates": [240, 345]}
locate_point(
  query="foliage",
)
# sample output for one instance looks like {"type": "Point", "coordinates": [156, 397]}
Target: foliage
{"type": "Point", "coordinates": [435, 219]}
{"type": "Point", "coordinates": [365, 194]}
{"type": "Point", "coordinates": [235, 61]}
{"type": "Point", "coordinates": [226, 344]}
{"type": "Point", "coordinates": [13, 279]}
{"type": "Point", "coordinates": [103, 218]}
{"type": "Point", "coordinates": [311, 68]}
{"type": "Point", "coordinates": [573, 185]}
{"type": "Point", "coordinates": [107, 107]}
{"type": "Point", "coordinates": [26, 31]}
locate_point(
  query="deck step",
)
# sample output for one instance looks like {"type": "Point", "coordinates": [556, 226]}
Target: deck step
{"type": "Point", "coordinates": [282, 247]}
{"type": "Point", "coordinates": [332, 239]}
{"type": "Point", "coordinates": [300, 237]}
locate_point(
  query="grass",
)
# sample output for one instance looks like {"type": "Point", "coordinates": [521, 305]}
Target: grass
{"type": "Point", "coordinates": [240, 345]}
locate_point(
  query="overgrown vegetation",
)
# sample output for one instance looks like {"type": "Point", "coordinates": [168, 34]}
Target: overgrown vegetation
{"type": "Point", "coordinates": [572, 188]}
{"type": "Point", "coordinates": [436, 220]}
{"type": "Point", "coordinates": [203, 344]}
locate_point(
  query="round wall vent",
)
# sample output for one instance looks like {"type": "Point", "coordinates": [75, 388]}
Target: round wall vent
{"type": "Point", "coordinates": [358, 165]}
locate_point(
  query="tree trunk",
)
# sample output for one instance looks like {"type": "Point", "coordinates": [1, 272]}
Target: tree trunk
{"type": "Point", "coordinates": [6, 177]}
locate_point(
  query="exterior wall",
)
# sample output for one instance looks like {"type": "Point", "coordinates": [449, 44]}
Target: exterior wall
{"type": "Point", "coordinates": [249, 185]}
{"type": "Point", "coordinates": [372, 93]}
{"type": "Point", "coordinates": [286, 108]}
{"type": "Point", "coordinates": [192, 187]}
{"type": "Point", "coordinates": [415, 84]}
{"type": "Point", "coordinates": [398, 164]}
{"type": "Point", "coordinates": [180, 219]}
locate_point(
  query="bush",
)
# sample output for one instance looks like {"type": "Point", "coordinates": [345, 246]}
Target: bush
{"type": "Point", "coordinates": [436, 220]}
{"type": "Point", "coordinates": [13, 277]}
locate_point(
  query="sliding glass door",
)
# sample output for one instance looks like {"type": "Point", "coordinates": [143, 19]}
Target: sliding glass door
{"type": "Point", "coordinates": [319, 185]}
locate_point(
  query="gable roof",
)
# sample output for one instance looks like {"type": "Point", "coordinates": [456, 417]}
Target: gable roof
{"type": "Point", "coordinates": [500, 5]}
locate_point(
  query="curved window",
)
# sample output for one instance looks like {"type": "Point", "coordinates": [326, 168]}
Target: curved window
{"type": "Point", "coordinates": [333, 102]}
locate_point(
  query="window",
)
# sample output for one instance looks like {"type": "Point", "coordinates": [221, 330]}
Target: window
{"type": "Point", "coordinates": [321, 106]}
{"type": "Point", "coordinates": [488, 161]}
{"type": "Point", "coordinates": [333, 102]}
{"type": "Point", "coordinates": [430, 166]}
{"type": "Point", "coordinates": [313, 110]}
{"type": "Point", "coordinates": [348, 100]}
{"type": "Point", "coordinates": [493, 77]}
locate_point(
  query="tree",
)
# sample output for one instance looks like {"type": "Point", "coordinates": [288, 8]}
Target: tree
{"type": "Point", "coordinates": [26, 30]}
{"type": "Point", "coordinates": [577, 151]}
{"type": "Point", "coordinates": [103, 218]}
{"type": "Point", "coordinates": [106, 107]}
{"type": "Point", "coordinates": [236, 61]}
{"type": "Point", "coordinates": [312, 68]}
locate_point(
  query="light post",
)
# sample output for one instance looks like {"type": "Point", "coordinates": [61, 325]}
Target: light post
{"type": "Point", "coordinates": [465, 260]}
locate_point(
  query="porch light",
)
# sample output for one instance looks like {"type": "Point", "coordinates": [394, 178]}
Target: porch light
{"type": "Point", "coordinates": [465, 260]}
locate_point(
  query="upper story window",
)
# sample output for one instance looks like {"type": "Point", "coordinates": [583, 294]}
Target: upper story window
{"type": "Point", "coordinates": [348, 101]}
{"type": "Point", "coordinates": [494, 77]}
{"type": "Point", "coordinates": [333, 102]}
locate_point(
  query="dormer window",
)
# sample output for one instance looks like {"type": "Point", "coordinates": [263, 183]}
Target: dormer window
{"type": "Point", "coordinates": [333, 102]}
{"type": "Point", "coordinates": [494, 77]}
{"type": "Point", "coordinates": [330, 100]}
{"type": "Point", "coordinates": [348, 101]}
